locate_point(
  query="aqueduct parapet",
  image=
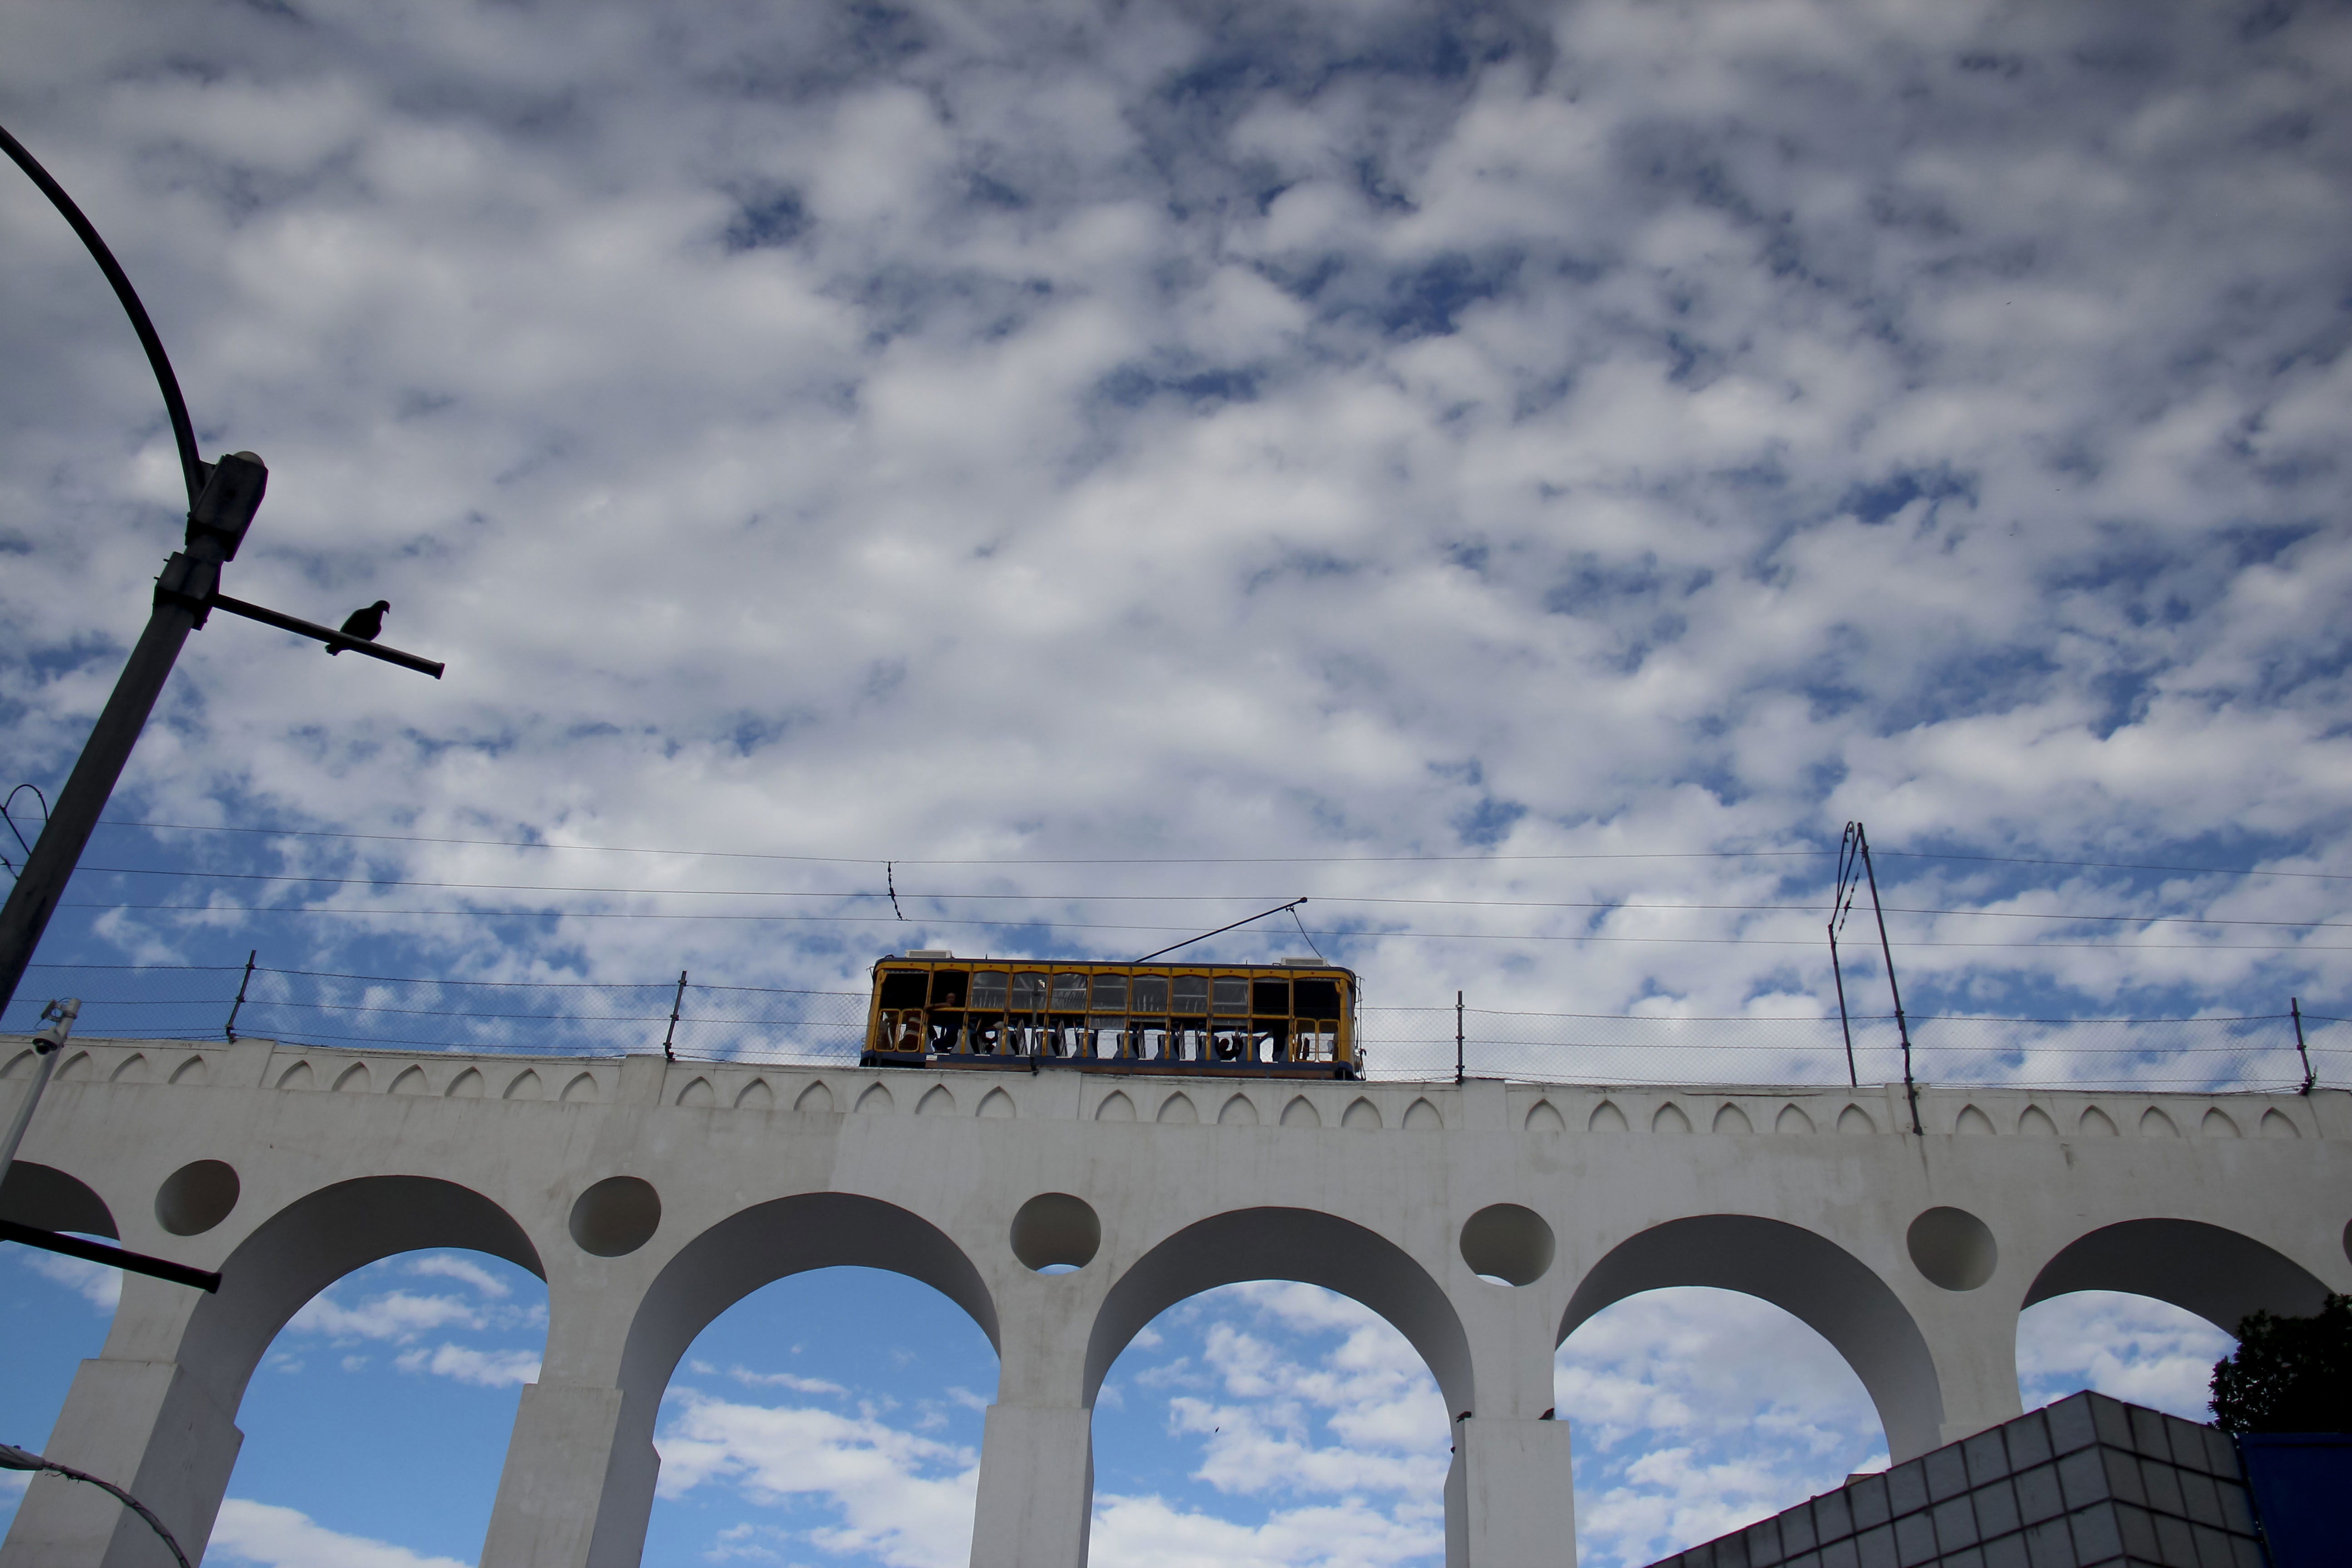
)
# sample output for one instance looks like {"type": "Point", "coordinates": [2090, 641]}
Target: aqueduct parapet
{"type": "Point", "coordinates": [1063, 1211]}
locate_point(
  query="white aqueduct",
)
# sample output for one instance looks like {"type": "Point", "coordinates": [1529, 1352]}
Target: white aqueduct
{"type": "Point", "coordinates": [1485, 1221]}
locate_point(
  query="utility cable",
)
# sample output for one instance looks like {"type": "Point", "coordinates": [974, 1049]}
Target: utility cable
{"type": "Point", "coordinates": [1359, 935]}
{"type": "Point", "coordinates": [891, 893]}
{"type": "Point", "coordinates": [1218, 860]}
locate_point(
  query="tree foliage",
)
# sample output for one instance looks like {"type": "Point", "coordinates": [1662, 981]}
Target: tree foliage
{"type": "Point", "coordinates": [2289, 1375]}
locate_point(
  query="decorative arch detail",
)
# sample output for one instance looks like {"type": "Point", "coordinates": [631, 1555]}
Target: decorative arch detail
{"type": "Point", "coordinates": [2217, 1274]}
{"type": "Point", "coordinates": [1305, 1245]}
{"type": "Point", "coordinates": [749, 1249]}
{"type": "Point", "coordinates": [316, 1240]}
{"type": "Point", "coordinates": [1805, 1274]}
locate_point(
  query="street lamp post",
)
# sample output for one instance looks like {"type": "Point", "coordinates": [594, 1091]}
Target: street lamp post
{"type": "Point", "coordinates": [221, 499]}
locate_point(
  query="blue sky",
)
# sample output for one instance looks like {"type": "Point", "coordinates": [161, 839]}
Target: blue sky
{"type": "Point", "coordinates": [1121, 468]}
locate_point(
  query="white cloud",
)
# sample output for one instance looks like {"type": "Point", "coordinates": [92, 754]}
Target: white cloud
{"type": "Point", "coordinates": [283, 1537]}
{"type": "Point", "coordinates": [94, 1282]}
{"type": "Point", "coordinates": [1150, 1533]}
{"type": "Point", "coordinates": [900, 1500]}
{"type": "Point", "coordinates": [486, 1369]}
{"type": "Point", "coordinates": [396, 1316]}
{"type": "Point", "coordinates": [751, 1379]}
{"type": "Point", "coordinates": [447, 1266]}
{"type": "Point", "coordinates": [2130, 1347]}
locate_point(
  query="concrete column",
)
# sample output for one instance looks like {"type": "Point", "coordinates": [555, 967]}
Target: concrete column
{"type": "Point", "coordinates": [553, 1492]}
{"type": "Point", "coordinates": [1037, 1487]}
{"type": "Point", "coordinates": [1509, 1497]}
{"type": "Point", "coordinates": [151, 1428]}
{"type": "Point", "coordinates": [1973, 1343]}
{"type": "Point", "coordinates": [1509, 1500]}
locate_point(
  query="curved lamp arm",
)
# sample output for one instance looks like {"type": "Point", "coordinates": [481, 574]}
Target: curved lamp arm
{"type": "Point", "coordinates": [191, 467]}
{"type": "Point", "coordinates": [13, 1459]}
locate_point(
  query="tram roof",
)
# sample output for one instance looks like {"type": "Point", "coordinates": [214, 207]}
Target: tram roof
{"type": "Point", "coordinates": [1280, 966]}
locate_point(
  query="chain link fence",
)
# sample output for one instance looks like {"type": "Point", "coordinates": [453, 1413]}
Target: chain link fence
{"type": "Point", "coordinates": [752, 1023]}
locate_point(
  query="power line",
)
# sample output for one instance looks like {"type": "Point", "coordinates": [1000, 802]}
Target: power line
{"type": "Point", "coordinates": [1359, 935]}
{"type": "Point", "coordinates": [1175, 898]}
{"type": "Point", "coordinates": [1223, 860]}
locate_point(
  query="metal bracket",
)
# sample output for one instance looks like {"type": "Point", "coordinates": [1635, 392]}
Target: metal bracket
{"type": "Point", "coordinates": [185, 580]}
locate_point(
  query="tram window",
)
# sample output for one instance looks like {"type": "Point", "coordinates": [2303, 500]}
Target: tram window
{"type": "Point", "coordinates": [1271, 999]}
{"type": "Point", "coordinates": [1232, 994]}
{"type": "Point", "coordinates": [1028, 993]}
{"type": "Point", "coordinates": [904, 987]}
{"type": "Point", "coordinates": [987, 1036]}
{"type": "Point", "coordinates": [948, 987]}
{"type": "Point", "coordinates": [1110, 993]}
{"type": "Point", "coordinates": [1151, 994]}
{"type": "Point", "coordinates": [1106, 1036]}
{"type": "Point", "coordinates": [1069, 993]}
{"type": "Point", "coordinates": [1192, 994]}
{"type": "Point", "coordinates": [1317, 998]}
{"type": "Point", "coordinates": [988, 991]}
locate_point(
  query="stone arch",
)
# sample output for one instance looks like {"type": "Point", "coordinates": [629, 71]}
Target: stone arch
{"type": "Point", "coordinates": [1545, 1118]}
{"type": "Point", "coordinates": [2217, 1274]}
{"type": "Point", "coordinates": [410, 1081]}
{"type": "Point", "coordinates": [131, 1069]}
{"type": "Point", "coordinates": [756, 1096]}
{"type": "Point", "coordinates": [1805, 1274]}
{"type": "Point", "coordinates": [697, 1095]}
{"type": "Point", "coordinates": [353, 1080]}
{"type": "Point", "coordinates": [194, 1073]}
{"type": "Point", "coordinates": [1606, 1118]}
{"type": "Point", "coordinates": [749, 1249]}
{"type": "Point", "coordinates": [316, 1240]}
{"type": "Point", "coordinates": [47, 1197]}
{"type": "Point", "coordinates": [1303, 1244]}
{"type": "Point", "coordinates": [1115, 1107]}
{"type": "Point", "coordinates": [1301, 1113]}
{"type": "Point", "coordinates": [1793, 1120]}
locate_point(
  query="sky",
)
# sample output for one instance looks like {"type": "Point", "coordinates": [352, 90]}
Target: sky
{"type": "Point", "coordinates": [1521, 477]}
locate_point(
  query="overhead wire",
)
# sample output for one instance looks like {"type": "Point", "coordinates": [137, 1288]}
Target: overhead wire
{"type": "Point", "coordinates": [1355, 934]}
{"type": "Point", "coordinates": [1209, 859]}
{"type": "Point", "coordinates": [892, 895]}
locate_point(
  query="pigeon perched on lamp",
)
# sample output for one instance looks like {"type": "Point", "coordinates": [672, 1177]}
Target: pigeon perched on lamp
{"type": "Point", "coordinates": [367, 624]}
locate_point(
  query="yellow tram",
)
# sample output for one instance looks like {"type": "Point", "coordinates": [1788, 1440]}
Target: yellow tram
{"type": "Point", "coordinates": [1292, 1019]}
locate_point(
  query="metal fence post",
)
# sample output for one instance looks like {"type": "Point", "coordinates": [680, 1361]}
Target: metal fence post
{"type": "Point", "coordinates": [2294, 1007]}
{"type": "Point", "coordinates": [238, 1007]}
{"type": "Point", "coordinates": [676, 1002]}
